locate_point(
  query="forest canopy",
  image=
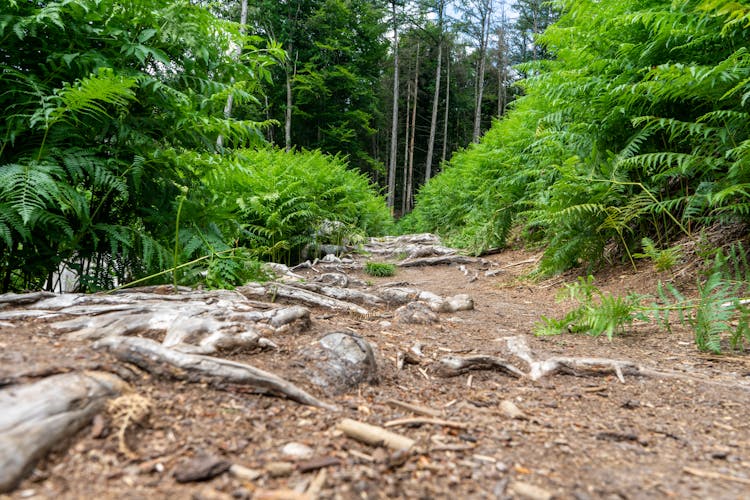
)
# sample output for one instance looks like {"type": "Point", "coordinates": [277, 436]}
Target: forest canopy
{"type": "Point", "coordinates": [184, 140]}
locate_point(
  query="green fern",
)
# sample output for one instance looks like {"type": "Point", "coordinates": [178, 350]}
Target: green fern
{"type": "Point", "coordinates": [597, 312]}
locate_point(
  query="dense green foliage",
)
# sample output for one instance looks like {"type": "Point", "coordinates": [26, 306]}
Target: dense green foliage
{"type": "Point", "coordinates": [637, 126]}
{"type": "Point", "coordinates": [109, 148]}
{"type": "Point", "coordinates": [335, 49]}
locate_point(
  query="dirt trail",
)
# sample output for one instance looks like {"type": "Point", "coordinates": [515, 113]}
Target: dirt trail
{"type": "Point", "coordinates": [577, 437]}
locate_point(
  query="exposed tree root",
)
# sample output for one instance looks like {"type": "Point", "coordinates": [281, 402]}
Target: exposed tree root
{"type": "Point", "coordinates": [36, 417]}
{"type": "Point", "coordinates": [279, 290]}
{"type": "Point", "coordinates": [437, 261]}
{"type": "Point", "coordinates": [165, 362]}
{"type": "Point", "coordinates": [452, 366]}
{"type": "Point", "coordinates": [580, 367]}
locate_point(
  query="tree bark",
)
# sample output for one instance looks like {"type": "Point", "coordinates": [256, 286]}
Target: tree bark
{"type": "Point", "coordinates": [238, 53]}
{"type": "Point", "coordinates": [288, 110]}
{"type": "Point", "coordinates": [447, 102]}
{"type": "Point", "coordinates": [433, 119]}
{"type": "Point", "coordinates": [410, 175]}
{"type": "Point", "coordinates": [486, 15]}
{"type": "Point", "coordinates": [407, 133]}
{"type": "Point", "coordinates": [394, 119]}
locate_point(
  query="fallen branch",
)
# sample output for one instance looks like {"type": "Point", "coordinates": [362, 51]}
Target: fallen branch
{"type": "Point", "coordinates": [164, 362]}
{"type": "Point", "coordinates": [418, 409]}
{"type": "Point", "coordinates": [373, 435]}
{"type": "Point", "coordinates": [36, 417]}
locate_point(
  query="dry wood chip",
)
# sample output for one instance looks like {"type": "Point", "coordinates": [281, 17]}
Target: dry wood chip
{"type": "Point", "coordinates": [318, 463]}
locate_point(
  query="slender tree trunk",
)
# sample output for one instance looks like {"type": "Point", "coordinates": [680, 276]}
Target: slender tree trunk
{"type": "Point", "coordinates": [502, 92]}
{"type": "Point", "coordinates": [410, 177]}
{"type": "Point", "coordinates": [288, 110]}
{"type": "Point", "coordinates": [433, 120]}
{"type": "Point", "coordinates": [394, 119]}
{"type": "Point", "coordinates": [238, 53]}
{"type": "Point", "coordinates": [485, 33]}
{"type": "Point", "coordinates": [407, 124]}
{"type": "Point", "coordinates": [447, 102]}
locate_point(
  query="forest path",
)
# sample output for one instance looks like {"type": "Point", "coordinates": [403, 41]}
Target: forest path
{"type": "Point", "coordinates": [480, 434]}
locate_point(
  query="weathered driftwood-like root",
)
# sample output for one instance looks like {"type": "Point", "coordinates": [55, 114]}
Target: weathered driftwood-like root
{"type": "Point", "coordinates": [169, 363]}
{"type": "Point", "coordinates": [452, 366]}
{"type": "Point", "coordinates": [21, 299]}
{"type": "Point", "coordinates": [297, 294]}
{"type": "Point", "coordinates": [584, 367]}
{"type": "Point", "coordinates": [36, 417]}
{"type": "Point", "coordinates": [341, 293]}
{"type": "Point", "coordinates": [198, 322]}
{"type": "Point", "coordinates": [437, 261]}
{"type": "Point", "coordinates": [519, 350]}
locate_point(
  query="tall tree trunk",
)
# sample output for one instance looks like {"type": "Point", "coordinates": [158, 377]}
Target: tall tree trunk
{"type": "Point", "coordinates": [407, 134]}
{"type": "Point", "coordinates": [485, 34]}
{"type": "Point", "coordinates": [238, 53]}
{"type": "Point", "coordinates": [394, 120]}
{"type": "Point", "coordinates": [288, 110]}
{"type": "Point", "coordinates": [410, 177]}
{"type": "Point", "coordinates": [433, 120]}
{"type": "Point", "coordinates": [447, 102]}
{"type": "Point", "coordinates": [502, 91]}
{"type": "Point", "coordinates": [440, 6]}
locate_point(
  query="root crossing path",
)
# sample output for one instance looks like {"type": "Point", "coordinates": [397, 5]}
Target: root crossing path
{"type": "Point", "coordinates": [330, 383]}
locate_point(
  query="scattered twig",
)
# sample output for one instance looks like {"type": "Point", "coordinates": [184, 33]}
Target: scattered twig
{"type": "Point", "coordinates": [415, 408]}
{"type": "Point", "coordinates": [714, 475]}
{"type": "Point", "coordinates": [424, 420]}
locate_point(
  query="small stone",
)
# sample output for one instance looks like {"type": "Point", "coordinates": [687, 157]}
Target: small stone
{"type": "Point", "coordinates": [200, 468]}
{"type": "Point", "coordinates": [528, 491]}
{"type": "Point", "coordinates": [279, 469]}
{"type": "Point", "coordinates": [297, 450]}
{"type": "Point", "coordinates": [460, 302]}
{"type": "Point", "coordinates": [510, 410]}
{"type": "Point", "coordinates": [244, 473]}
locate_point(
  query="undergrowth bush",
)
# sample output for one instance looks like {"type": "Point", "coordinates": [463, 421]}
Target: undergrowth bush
{"type": "Point", "coordinates": [379, 269]}
{"type": "Point", "coordinates": [719, 312]}
{"type": "Point", "coordinates": [638, 127]}
{"type": "Point", "coordinates": [283, 202]}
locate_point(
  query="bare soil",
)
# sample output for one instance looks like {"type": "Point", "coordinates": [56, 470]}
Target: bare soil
{"type": "Point", "coordinates": [583, 437]}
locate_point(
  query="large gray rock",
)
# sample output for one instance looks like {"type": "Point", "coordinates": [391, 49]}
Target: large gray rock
{"type": "Point", "coordinates": [340, 361]}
